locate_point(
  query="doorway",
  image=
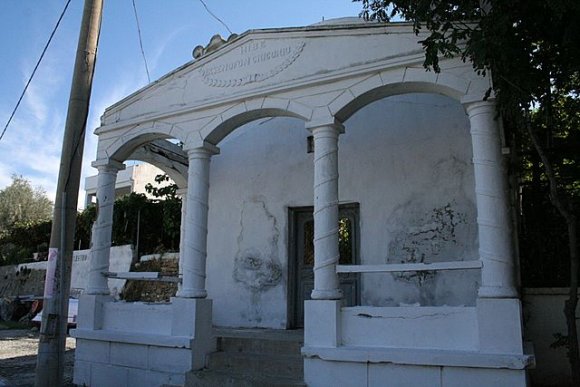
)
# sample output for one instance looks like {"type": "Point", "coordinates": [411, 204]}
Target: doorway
{"type": "Point", "coordinates": [301, 259]}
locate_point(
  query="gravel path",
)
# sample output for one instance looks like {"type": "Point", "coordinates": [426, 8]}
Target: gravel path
{"type": "Point", "coordinates": [18, 349]}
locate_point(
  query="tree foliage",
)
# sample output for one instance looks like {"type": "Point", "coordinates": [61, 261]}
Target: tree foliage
{"type": "Point", "coordinates": [151, 226]}
{"type": "Point", "coordinates": [529, 45]}
{"type": "Point", "coordinates": [166, 188]}
{"type": "Point", "coordinates": [25, 214]}
{"type": "Point", "coordinates": [22, 205]}
{"type": "Point", "coordinates": [21, 242]}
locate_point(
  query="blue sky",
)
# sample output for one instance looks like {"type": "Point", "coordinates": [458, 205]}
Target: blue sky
{"type": "Point", "coordinates": [170, 29]}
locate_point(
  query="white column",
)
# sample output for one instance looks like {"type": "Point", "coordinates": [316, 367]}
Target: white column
{"type": "Point", "coordinates": [491, 194]}
{"type": "Point", "coordinates": [181, 193]}
{"type": "Point", "coordinates": [103, 227]}
{"type": "Point", "coordinates": [194, 246]}
{"type": "Point", "coordinates": [326, 253]}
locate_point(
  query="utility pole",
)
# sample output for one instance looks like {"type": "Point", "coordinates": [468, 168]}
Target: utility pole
{"type": "Point", "coordinates": [51, 348]}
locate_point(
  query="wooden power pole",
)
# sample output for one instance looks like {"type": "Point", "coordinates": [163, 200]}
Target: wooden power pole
{"type": "Point", "coordinates": [50, 363]}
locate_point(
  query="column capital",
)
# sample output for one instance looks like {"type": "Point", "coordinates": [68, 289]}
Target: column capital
{"type": "Point", "coordinates": [108, 165]}
{"type": "Point", "coordinates": [197, 149]}
{"type": "Point", "coordinates": [471, 102]}
{"type": "Point", "coordinates": [325, 124]}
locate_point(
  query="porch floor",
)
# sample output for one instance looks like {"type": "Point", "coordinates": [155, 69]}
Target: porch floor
{"type": "Point", "coordinates": [253, 358]}
{"type": "Point", "coordinates": [296, 335]}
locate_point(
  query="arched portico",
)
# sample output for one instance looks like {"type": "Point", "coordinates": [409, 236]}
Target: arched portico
{"type": "Point", "coordinates": [494, 225]}
{"type": "Point", "coordinates": [166, 156]}
{"type": "Point", "coordinates": [297, 73]}
{"type": "Point", "coordinates": [249, 111]}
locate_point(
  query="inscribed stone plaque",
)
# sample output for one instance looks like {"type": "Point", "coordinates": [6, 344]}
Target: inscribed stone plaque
{"type": "Point", "coordinates": [254, 61]}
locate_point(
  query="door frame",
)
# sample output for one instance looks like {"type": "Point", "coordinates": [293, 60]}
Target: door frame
{"type": "Point", "coordinates": [292, 290]}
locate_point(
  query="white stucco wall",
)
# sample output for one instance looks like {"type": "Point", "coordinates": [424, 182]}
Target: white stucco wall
{"type": "Point", "coordinates": [120, 261]}
{"type": "Point", "coordinates": [405, 159]}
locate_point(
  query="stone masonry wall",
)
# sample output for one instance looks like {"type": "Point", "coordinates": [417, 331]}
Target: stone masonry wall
{"type": "Point", "coordinates": [152, 291]}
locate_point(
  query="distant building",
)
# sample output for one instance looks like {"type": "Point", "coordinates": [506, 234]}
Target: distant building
{"type": "Point", "coordinates": [132, 179]}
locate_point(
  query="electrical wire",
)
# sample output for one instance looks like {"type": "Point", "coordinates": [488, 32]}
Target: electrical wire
{"type": "Point", "coordinates": [141, 41]}
{"type": "Point", "coordinates": [35, 68]}
{"type": "Point", "coordinates": [215, 17]}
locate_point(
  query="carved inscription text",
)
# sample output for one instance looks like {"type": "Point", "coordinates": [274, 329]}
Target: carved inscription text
{"type": "Point", "coordinates": [255, 62]}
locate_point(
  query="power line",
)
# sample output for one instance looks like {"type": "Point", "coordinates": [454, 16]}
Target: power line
{"type": "Point", "coordinates": [215, 17]}
{"type": "Point", "coordinates": [35, 68]}
{"type": "Point", "coordinates": [141, 42]}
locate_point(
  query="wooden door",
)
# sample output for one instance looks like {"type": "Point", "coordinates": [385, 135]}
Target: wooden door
{"type": "Point", "coordinates": [302, 259]}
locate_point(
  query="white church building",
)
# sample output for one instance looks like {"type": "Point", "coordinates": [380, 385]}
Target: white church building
{"type": "Point", "coordinates": [354, 200]}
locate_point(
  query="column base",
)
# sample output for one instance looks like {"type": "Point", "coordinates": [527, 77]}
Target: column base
{"type": "Point", "coordinates": [98, 291]}
{"type": "Point", "coordinates": [322, 323]}
{"type": "Point", "coordinates": [192, 317]}
{"type": "Point", "coordinates": [90, 313]}
{"type": "Point", "coordinates": [332, 294]}
{"type": "Point", "coordinates": [192, 293]}
{"type": "Point", "coordinates": [497, 292]}
{"type": "Point", "coordinates": [500, 322]}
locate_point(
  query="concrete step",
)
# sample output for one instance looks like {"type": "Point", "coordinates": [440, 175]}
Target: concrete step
{"type": "Point", "coordinates": [253, 358]}
{"type": "Point", "coordinates": [261, 334]}
{"type": "Point", "coordinates": [212, 378]}
{"type": "Point", "coordinates": [262, 346]}
{"type": "Point", "coordinates": [291, 366]}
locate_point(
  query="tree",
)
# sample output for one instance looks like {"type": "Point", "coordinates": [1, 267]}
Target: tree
{"type": "Point", "coordinates": [25, 214]}
{"type": "Point", "coordinates": [532, 50]}
{"type": "Point", "coordinates": [166, 189]}
{"type": "Point", "coordinates": [150, 225]}
{"type": "Point", "coordinates": [170, 203]}
{"type": "Point", "coordinates": [22, 205]}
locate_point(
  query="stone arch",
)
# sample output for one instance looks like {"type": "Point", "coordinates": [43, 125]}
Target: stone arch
{"type": "Point", "coordinates": [148, 144]}
{"type": "Point", "coordinates": [139, 135]}
{"type": "Point", "coordinates": [168, 157]}
{"type": "Point", "coordinates": [403, 81]}
{"type": "Point", "coordinates": [251, 110]}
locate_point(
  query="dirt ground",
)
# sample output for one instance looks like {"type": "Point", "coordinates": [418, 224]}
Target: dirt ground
{"type": "Point", "coordinates": [18, 349]}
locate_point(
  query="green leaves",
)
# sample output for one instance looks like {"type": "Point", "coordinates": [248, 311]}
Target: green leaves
{"type": "Point", "coordinates": [22, 205]}
{"type": "Point", "coordinates": [165, 189]}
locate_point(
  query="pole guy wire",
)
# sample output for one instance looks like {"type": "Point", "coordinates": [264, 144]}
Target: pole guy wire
{"type": "Point", "coordinates": [141, 42]}
{"type": "Point", "coordinates": [34, 71]}
{"type": "Point", "coordinates": [215, 17]}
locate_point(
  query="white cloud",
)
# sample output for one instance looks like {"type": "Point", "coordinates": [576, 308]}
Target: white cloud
{"type": "Point", "coordinates": [32, 144]}
{"type": "Point", "coordinates": [157, 52]}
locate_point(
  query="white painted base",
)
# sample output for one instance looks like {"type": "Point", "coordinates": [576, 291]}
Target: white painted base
{"type": "Point", "coordinates": [110, 363]}
{"type": "Point", "coordinates": [137, 344]}
{"type": "Point", "coordinates": [443, 327]}
{"type": "Point", "coordinates": [415, 346]}
{"type": "Point", "coordinates": [323, 373]}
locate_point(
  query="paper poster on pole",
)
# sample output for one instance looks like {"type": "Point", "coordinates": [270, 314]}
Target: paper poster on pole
{"type": "Point", "coordinates": [49, 283]}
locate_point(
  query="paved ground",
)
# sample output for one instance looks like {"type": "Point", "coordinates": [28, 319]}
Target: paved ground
{"type": "Point", "coordinates": [18, 350]}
